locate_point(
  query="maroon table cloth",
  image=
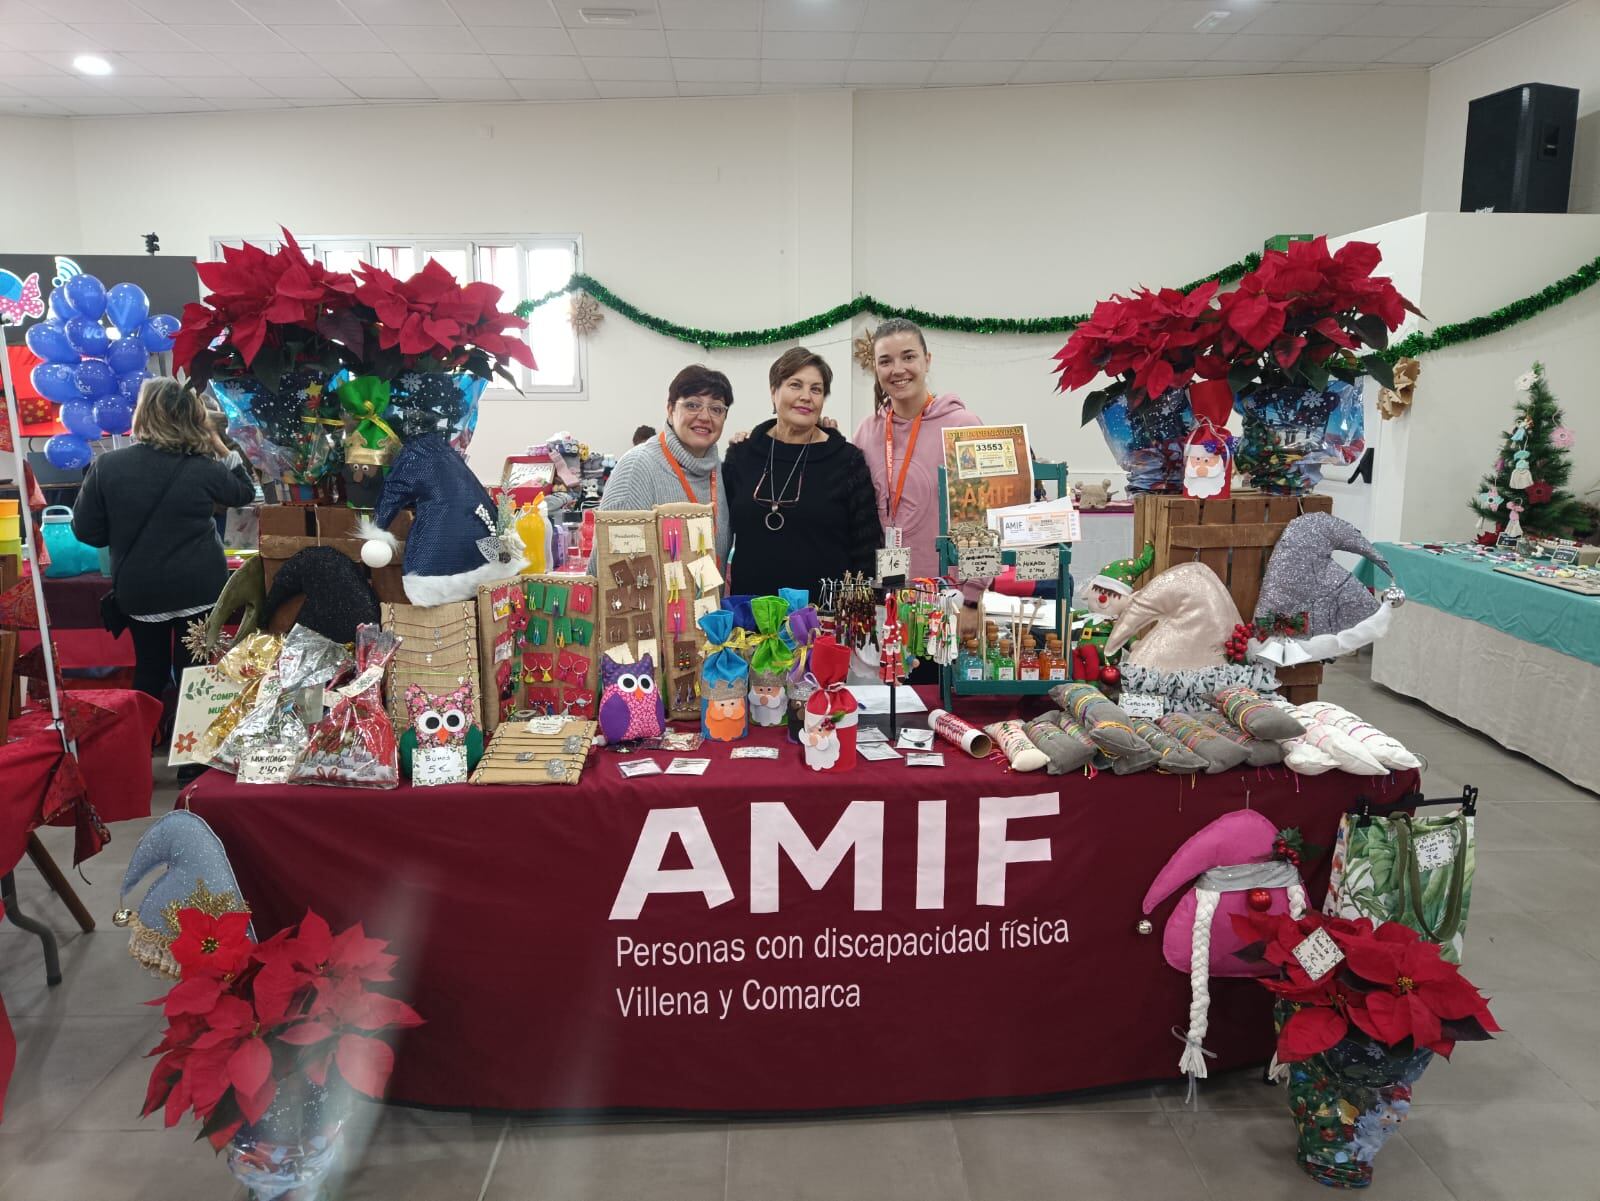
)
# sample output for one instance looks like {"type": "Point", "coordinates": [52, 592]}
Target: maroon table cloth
{"type": "Point", "coordinates": [513, 911]}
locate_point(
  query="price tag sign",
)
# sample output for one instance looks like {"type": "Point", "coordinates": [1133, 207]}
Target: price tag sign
{"type": "Point", "coordinates": [268, 765]}
{"type": "Point", "coordinates": [1564, 554]}
{"type": "Point", "coordinates": [754, 752]}
{"type": "Point", "coordinates": [435, 765]}
{"type": "Point", "coordinates": [627, 540]}
{"type": "Point", "coordinates": [894, 561]}
{"type": "Point", "coordinates": [1038, 563]}
{"type": "Point", "coordinates": [1318, 954]}
{"type": "Point", "coordinates": [978, 563]}
{"type": "Point", "coordinates": [1143, 704]}
{"type": "Point", "coordinates": [1435, 850]}
{"type": "Point", "coordinates": [547, 725]}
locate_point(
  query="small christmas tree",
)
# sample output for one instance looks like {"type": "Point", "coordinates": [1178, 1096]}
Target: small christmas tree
{"type": "Point", "coordinates": [1532, 468]}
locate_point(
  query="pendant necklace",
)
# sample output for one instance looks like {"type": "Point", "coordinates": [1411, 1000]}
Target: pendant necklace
{"type": "Point", "coordinates": [774, 518]}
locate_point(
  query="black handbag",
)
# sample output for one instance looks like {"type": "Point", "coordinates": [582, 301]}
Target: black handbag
{"type": "Point", "coordinates": [112, 615]}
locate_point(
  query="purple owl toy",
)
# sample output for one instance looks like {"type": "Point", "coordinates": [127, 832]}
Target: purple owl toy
{"type": "Point", "coordinates": [630, 703]}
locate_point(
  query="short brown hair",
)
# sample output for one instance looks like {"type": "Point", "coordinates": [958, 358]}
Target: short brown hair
{"type": "Point", "coordinates": [699, 380]}
{"type": "Point", "coordinates": [795, 360]}
{"type": "Point", "coordinates": [171, 416]}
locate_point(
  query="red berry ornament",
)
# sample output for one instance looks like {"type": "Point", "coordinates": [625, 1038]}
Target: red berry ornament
{"type": "Point", "coordinates": [1259, 899]}
{"type": "Point", "coordinates": [1110, 676]}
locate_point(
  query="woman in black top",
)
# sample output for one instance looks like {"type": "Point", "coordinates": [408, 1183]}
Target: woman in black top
{"type": "Point", "coordinates": [800, 496]}
{"type": "Point", "coordinates": [152, 504]}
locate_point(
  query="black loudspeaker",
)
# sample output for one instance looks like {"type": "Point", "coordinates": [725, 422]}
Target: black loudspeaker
{"type": "Point", "coordinates": [1519, 150]}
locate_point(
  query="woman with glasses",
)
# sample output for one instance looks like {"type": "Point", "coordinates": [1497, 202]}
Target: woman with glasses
{"type": "Point", "coordinates": [680, 463]}
{"type": "Point", "coordinates": [801, 496]}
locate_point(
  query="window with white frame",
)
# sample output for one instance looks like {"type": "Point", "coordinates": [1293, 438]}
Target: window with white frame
{"type": "Point", "coordinates": [521, 266]}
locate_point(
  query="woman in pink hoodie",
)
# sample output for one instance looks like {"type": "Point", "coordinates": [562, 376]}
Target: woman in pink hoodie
{"type": "Point", "coordinates": [905, 464]}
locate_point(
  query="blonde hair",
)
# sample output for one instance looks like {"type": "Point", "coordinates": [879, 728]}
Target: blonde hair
{"type": "Point", "coordinates": [170, 416]}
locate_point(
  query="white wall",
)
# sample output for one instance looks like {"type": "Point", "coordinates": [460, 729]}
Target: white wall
{"type": "Point", "coordinates": [756, 211]}
{"type": "Point", "coordinates": [39, 208]}
{"type": "Point", "coordinates": [1562, 47]}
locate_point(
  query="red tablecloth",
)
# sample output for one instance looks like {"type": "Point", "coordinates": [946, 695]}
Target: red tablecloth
{"type": "Point", "coordinates": [508, 909]}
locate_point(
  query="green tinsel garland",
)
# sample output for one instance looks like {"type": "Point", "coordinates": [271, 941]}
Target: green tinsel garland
{"type": "Point", "coordinates": [1412, 346]}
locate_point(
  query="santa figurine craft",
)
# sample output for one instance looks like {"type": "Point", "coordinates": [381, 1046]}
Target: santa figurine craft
{"type": "Point", "coordinates": [829, 737]}
{"type": "Point", "coordinates": [455, 543]}
{"type": "Point", "coordinates": [1208, 454]}
{"type": "Point", "coordinates": [724, 679]}
{"type": "Point", "coordinates": [770, 662]}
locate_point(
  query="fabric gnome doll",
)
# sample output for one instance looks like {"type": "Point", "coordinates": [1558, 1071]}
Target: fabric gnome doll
{"type": "Point", "coordinates": [454, 544]}
{"type": "Point", "coordinates": [724, 680]}
{"type": "Point", "coordinates": [770, 663]}
{"type": "Point", "coordinates": [1103, 598]}
{"type": "Point", "coordinates": [829, 738]}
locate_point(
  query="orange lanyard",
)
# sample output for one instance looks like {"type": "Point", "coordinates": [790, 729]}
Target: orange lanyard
{"type": "Point", "coordinates": [888, 453]}
{"type": "Point", "coordinates": [688, 492]}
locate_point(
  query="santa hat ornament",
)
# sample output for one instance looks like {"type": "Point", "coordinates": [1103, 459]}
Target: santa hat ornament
{"type": "Point", "coordinates": [1116, 579]}
{"type": "Point", "coordinates": [1231, 866]}
{"type": "Point", "coordinates": [454, 544]}
{"type": "Point", "coordinates": [1208, 453]}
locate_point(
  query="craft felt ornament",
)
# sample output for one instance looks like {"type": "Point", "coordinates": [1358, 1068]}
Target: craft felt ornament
{"type": "Point", "coordinates": [1012, 738]}
{"type": "Point", "coordinates": [1208, 453]}
{"type": "Point", "coordinates": [443, 744]}
{"type": "Point", "coordinates": [1193, 616]}
{"type": "Point", "coordinates": [195, 874]}
{"type": "Point", "coordinates": [1225, 862]}
{"type": "Point", "coordinates": [454, 545]}
{"type": "Point", "coordinates": [770, 662]}
{"type": "Point", "coordinates": [631, 706]}
{"type": "Point", "coordinates": [1107, 724]}
{"type": "Point", "coordinates": [829, 736]}
{"type": "Point", "coordinates": [1303, 577]}
{"type": "Point", "coordinates": [338, 598]}
{"type": "Point", "coordinates": [1514, 521]}
{"type": "Point", "coordinates": [724, 679]}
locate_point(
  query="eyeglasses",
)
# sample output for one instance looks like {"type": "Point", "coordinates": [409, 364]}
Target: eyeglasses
{"type": "Point", "coordinates": [694, 408]}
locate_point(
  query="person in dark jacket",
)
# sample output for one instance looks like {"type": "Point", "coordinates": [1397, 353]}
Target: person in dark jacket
{"type": "Point", "coordinates": [152, 504]}
{"type": "Point", "coordinates": [800, 495]}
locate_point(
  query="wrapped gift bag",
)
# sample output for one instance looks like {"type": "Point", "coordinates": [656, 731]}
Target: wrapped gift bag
{"type": "Point", "coordinates": [770, 662]}
{"type": "Point", "coordinates": [1413, 870]}
{"type": "Point", "coordinates": [724, 680]}
{"type": "Point", "coordinates": [799, 632]}
{"type": "Point", "coordinates": [829, 737]}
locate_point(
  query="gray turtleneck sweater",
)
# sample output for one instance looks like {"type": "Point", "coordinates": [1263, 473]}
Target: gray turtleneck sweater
{"type": "Point", "coordinates": [642, 479]}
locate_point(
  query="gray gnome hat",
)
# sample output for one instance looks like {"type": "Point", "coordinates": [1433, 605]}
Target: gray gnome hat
{"type": "Point", "coordinates": [1302, 576]}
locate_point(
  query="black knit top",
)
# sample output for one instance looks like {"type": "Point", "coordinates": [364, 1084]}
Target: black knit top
{"type": "Point", "coordinates": [830, 529]}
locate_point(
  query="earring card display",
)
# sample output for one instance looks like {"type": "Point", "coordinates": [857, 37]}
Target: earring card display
{"type": "Point", "coordinates": [628, 567]}
{"type": "Point", "coordinates": [691, 586]}
{"type": "Point", "coordinates": [546, 750]}
{"type": "Point", "coordinates": [438, 646]}
{"type": "Point", "coordinates": [555, 651]}
{"type": "Point", "coordinates": [502, 610]}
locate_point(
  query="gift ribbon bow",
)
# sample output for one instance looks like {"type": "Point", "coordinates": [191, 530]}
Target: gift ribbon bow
{"type": "Point", "coordinates": [365, 398]}
{"type": "Point", "coordinates": [772, 655]}
{"type": "Point", "coordinates": [724, 642]}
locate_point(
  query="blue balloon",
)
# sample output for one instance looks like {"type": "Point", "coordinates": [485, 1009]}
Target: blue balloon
{"type": "Point", "coordinates": [48, 340]}
{"type": "Point", "coordinates": [57, 382]}
{"type": "Point", "coordinates": [128, 385]}
{"type": "Point", "coordinates": [128, 306]}
{"type": "Point", "coordinates": [95, 378]}
{"type": "Point", "coordinates": [126, 354]}
{"type": "Point", "coordinates": [87, 337]}
{"type": "Point", "coordinates": [60, 307]}
{"type": "Point", "coordinates": [67, 452]}
{"type": "Point", "coordinates": [78, 416]}
{"type": "Point", "coordinates": [88, 296]}
{"type": "Point", "coordinates": [158, 331]}
{"type": "Point", "coordinates": [113, 415]}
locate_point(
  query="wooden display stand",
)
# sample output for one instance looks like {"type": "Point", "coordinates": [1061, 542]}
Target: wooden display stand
{"type": "Point", "coordinates": [1234, 538]}
{"type": "Point", "coordinates": [286, 529]}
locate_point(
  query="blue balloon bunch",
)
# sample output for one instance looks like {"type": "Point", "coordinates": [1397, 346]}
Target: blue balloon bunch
{"type": "Point", "coordinates": [92, 372]}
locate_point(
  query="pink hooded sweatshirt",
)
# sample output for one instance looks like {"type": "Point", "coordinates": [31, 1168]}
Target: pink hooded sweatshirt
{"type": "Point", "coordinates": [918, 514]}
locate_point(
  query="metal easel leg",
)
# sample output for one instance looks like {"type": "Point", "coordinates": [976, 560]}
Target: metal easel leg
{"type": "Point", "coordinates": [52, 957]}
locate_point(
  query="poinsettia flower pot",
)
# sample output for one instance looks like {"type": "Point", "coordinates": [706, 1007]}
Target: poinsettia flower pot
{"type": "Point", "coordinates": [1346, 1102]}
{"type": "Point", "coordinates": [289, 1153]}
{"type": "Point", "coordinates": [286, 429]}
{"type": "Point", "coordinates": [1282, 444]}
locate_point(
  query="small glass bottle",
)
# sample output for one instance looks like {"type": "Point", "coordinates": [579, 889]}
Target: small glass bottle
{"type": "Point", "coordinates": [1005, 667]}
{"type": "Point", "coordinates": [1028, 663]}
{"type": "Point", "coordinates": [969, 664]}
{"type": "Point", "coordinates": [1058, 660]}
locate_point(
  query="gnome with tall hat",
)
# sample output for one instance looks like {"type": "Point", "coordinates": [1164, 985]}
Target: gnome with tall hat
{"type": "Point", "coordinates": [455, 543]}
{"type": "Point", "coordinates": [1102, 599]}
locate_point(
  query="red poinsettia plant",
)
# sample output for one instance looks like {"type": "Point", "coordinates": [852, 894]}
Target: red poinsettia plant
{"type": "Point", "coordinates": [265, 314]}
{"type": "Point", "coordinates": [247, 1020]}
{"type": "Point", "coordinates": [430, 322]}
{"type": "Point", "coordinates": [1389, 986]}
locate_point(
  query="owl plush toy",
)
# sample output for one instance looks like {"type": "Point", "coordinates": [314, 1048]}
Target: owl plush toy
{"type": "Point", "coordinates": [630, 702]}
{"type": "Point", "coordinates": [443, 745]}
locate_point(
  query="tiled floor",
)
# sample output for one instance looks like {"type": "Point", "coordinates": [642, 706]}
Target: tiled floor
{"type": "Point", "coordinates": [1516, 1118]}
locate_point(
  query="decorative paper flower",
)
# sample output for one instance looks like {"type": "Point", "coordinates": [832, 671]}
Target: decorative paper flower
{"type": "Point", "coordinates": [1393, 402]}
{"type": "Point", "coordinates": [585, 313]}
{"type": "Point", "coordinates": [1539, 492]}
{"type": "Point", "coordinates": [1561, 437]}
{"type": "Point", "coordinates": [862, 348]}
{"type": "Point", "coordinates": [212, 946]}
{"type": "Point", "coordinates": [1526, 380]}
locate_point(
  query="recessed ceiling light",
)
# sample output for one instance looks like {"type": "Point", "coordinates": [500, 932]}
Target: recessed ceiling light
{"type": "Point", "coordinates": [607, 16]}
{"type": "Point", "coordinates": [1211, 20]}
{"type": "Point", "coordinates": [91, 64]}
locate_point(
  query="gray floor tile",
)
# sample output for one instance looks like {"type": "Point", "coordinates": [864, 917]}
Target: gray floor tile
{"type": "Point", "coordinates": [1505, 951]}
{"type": "Point", "coordinates": [1502, 827]}
{"type": "Point", "coordinates": [1039, 1157]}
{"type": "Point", "coordinates": [677, 1162]}
{"type": "Point", "coordinates": [416, 1161]}
{"type": "Point", "coordinates": [870, 1159]}
{"type": "Point", "coordinates": [1486, 1071]}
{"type": "Point", "coordinates": [1512, 780]}
{"type": "Point", "coordinates": [1568, 929]}
{"type": "Point", "coordinates": [152, 1165]}
{"type": "Point", "coordinates": [1557, 879]}
{"type": "Point", "coordinates": [1571, 824]}
{"type": "Point", "coordinates": [1243, 1089]}
{"type": "Point", "coordinates": [61, 1059]}
{"type": "Point", "coordinates": [1509, 1150]}
{"type": "Point", "coordinates": [1560, 1028]}
{"type": "Point", "coordinates": [1141, 1099]}
{"type": "Point", "coordinates": [98, 976]}
{"type": "Point", "coordinates": [1248, 1156]}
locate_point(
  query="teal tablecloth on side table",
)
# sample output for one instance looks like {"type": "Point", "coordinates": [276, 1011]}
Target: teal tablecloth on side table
{"type": "Point", "coordinates": [1471, 588]}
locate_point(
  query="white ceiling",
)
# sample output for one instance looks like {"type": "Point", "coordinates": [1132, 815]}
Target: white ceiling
{"type": "Point", "coordinates": [178, 56]}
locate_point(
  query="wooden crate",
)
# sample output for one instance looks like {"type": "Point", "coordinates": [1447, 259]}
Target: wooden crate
{"type": "Point", "coordinates": [286, 529]}
{"type": "Point", "coordinates": [1234, 538]}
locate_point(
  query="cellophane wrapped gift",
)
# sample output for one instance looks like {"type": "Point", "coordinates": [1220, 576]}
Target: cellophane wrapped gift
{"type": "Point", "coordinates": [770, 662]}
{"type": "Point", "coordinates": [273, 726]}
{"type": "Point", "coordinates": [354, 744]}
{"type": "Point", "coordinates": [724, 680]}
{"type": "Point", "coordinates": [800, 631]}
{"type": "Point", "coordinates": [308, 663]}
{"type": "Point", "coordinates": [248, 663]}
{"type": "Point", "coordinates": [830, 722]}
